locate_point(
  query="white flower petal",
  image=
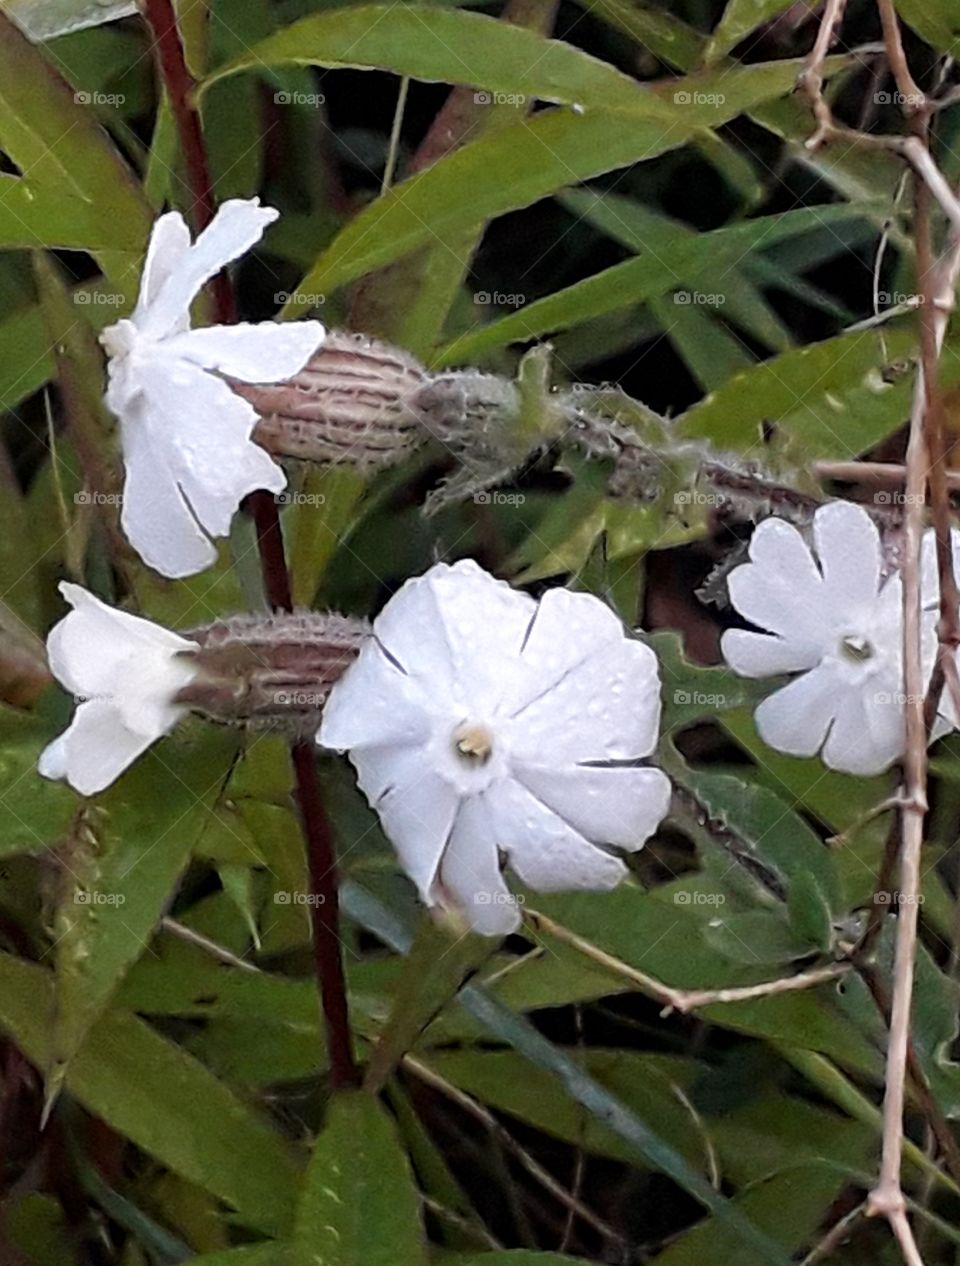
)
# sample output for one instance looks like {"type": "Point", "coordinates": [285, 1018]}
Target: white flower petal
{"type": "Point", "coordinates": [567, 629]}
{"type": "Point", "coordinates": [608, 708]}
{"type": "Point", "coordinates": [795, 719]}
{"type": "Point", "coordinates": [94, 750]}
{"type": "Point", "coordinates": [868, 733]}
{"type": "Point", "coordinates": [267, 352]}
{"type": "Point", "coordinates": [169, 244]}
{"type": "Point", "coordinates": [766, 655]}
{"type": "Point", "coordinates": [155, 516]}
{"type": "Point", "coordinates": [416, 805]}
{"type": "Point", "coordinates": [848, 547]}
{"type": "Point", "coordinates": [238, 225]}
{"type": "Point", "coordinates": [87, 648]}
{"type": "Point", "coordinates": [455, 629]}
{"type": "Point", "coordinates": [620, 806]}
{"type": "Point", "coordinates": [213, 463]}
{"type": "Point", "coordinates": [544, 850]}
{"type": "Point", "coordinates": [372, 705]}
{"type": "Point", "coordinates": [781, 589]}
{"type": "Point", "coordinates": [470, 881]}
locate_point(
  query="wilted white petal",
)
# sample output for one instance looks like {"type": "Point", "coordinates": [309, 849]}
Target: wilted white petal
{"type": "Point", "coordinates": [848, 547]}
{"type": "Point", "coordinates": [126, 674]}
{"type": "Point", "coordinates": [546, 852]}
{"type": "Point", "coordinates": [766, 655]}
{"type": "Point", "coordinates": [155, 516]}
{"type": "Point", "coordinates": [470, 881]}
{"type": "Point", "coordinates": [169, 244]}
{"type": "Point", "coordinates": [237, 225]}
{"type": "Point", "coordinates": [618, 805]}
{"type": "Point", "coordinates": [94, 750]}
{"type": "Point", "coordinates": [795, 719]}
{"type": "Point", "coordinates": [263, 353]}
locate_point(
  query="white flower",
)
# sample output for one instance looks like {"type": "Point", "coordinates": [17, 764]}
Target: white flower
{"type": "Point", "coordinates": [838, 623]}
{"type": "Point", "coordinates": [185, 434]}
{"type": "Point", "coordinates": [484, 725]}
{"type": "Point", "coordinates": [126, 672]}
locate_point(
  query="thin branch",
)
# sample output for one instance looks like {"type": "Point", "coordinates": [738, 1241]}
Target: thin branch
{"type": "Point", "coordinates": [162, 22]}
{"type": "Point", "coordinates": [879, 474]}
{"type": "Point", "coordinates": [684, 1000]}
{"type": "Point", "coordinates": [510, 1144]}
{"type": "Point", "coordinates": [912, 99]}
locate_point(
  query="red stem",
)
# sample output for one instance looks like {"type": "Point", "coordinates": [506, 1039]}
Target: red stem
{"type": "Point", "coordinates": [318, 838]}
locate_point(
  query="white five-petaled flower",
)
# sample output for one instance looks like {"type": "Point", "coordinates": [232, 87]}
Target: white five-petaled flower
{"type": "Point", "coordinates": [126, 673]}
{"type": "Point", "coordinates": [837, 622]}
{"type": "Point", "coordinates": [185, 434]}
{"type": "Point", "coordinates": [485, 725]}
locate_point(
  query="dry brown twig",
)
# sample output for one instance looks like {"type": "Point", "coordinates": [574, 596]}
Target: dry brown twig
{"type": "Point", "coordinates": [926, 465]}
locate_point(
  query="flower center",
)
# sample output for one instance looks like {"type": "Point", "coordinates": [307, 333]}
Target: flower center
{"type": "Point", "coordinates": [856, 648]}
{"type": "Point", "coordinates": [474, 743]}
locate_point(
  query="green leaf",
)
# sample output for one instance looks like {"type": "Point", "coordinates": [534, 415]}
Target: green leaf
{"type": "Point", "coordinates": [831, 399]}
{"type": "Point", "coordinates": [936, 21]}
{"type": "Point", "coordinates": [583, 1089]}
{"type": "Point", "coordinates": [670, 257]}
{"type": "Point", "coordinates": [526, 162]}
{"type": "Point", "coordinates": [359, 1206]}
{"type": "Point", "coordinates": [775, 836]}
{"type": "Point", "coordinates": [809, 911]}
{"type": "Point", "coordinates": [33, 214]}
{"type": "Point", "coordinates": [740, 17]}
{"type": "Point", "coordinates": [35, 813]}
{"type": "Point", "coordinates": [124, 863]}
{"type": "Point", "coordinates": [326, 507]}
{"type": "Point", "coordinates": [160, 1098]}
{"type": "Point", "coordinates": [673, 41]}
{"type": "Point", "coordinates": [753, 938]}
{"type": "Point", "coordinates": [448, 46]}
{"type": "Point", "coordinates": [512, 1257]}
{"type": "Point", "coordinates": [56, 141]}
{"type": "Point", "coordinates": [45, 19]}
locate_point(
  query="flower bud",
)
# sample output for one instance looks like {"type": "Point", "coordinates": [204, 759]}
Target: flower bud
{"type": "Point", "coordinates": [353, 402]}
{"type": "Point", "coordinates": [270, 671]}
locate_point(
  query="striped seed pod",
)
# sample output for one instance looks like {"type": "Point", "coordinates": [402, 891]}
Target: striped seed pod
{"type": "Point", "coordinates": [352, 403]}
{"type": "Point", "coordinates": [272, 672]}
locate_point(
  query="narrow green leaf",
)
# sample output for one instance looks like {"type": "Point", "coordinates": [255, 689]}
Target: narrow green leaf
{"type": "Point", "coordinates": [162, 1099]}
{"type": "Point", "coordinates": [125, 860]}
{"type": "Point", "coordinates": [740, 17]}
{"type": "Point", "coordinates": [447, 46]}
{"type": "Point", "coordinates": [359, 1206]}
{"type": "Point", "coordinates": [529, 161]}
{"type": "Point", "coordinates": [35, 813]}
